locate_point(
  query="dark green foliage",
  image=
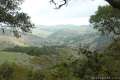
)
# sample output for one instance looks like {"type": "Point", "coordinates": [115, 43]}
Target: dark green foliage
{"type": "Point", "coordinates": [112, 59]}
{"type": "Point", "coordinates": [11, 16]}
{"type": "Point", "coordinates": [114, 3]}
{"type": "Point", "coordinates": [10, 4]}
{"type": "Point", "coordinates": [6, 72]}
{"type": "Point", "coordinates": [94, 64]}
{"type": "Point", "coordinates": [106, 20]}
{"type": "Point", "coordinates": [35, 51]}
{"type": "Point", "coordinates": [18, 72]}
{"type": "Point", "coordinates": [35, 75]}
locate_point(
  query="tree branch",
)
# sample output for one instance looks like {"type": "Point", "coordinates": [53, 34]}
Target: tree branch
{"type": "Point", "coordinates": [113, 3]}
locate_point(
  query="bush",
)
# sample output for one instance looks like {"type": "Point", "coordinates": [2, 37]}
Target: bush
{"type": "Point", "coordinates": [18, 72]}
{"type": "Point", "coordinates": [6, 72]}
{"type": "Point", "coordinates": [34, 51]}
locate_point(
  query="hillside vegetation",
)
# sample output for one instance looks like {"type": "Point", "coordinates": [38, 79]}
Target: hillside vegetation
{"type": "Point", "coordinates": [63, 53]}
{"type": "Point", "coordinates": [83, 66]}
{"type": "Point", "coordinates": [6, 42]}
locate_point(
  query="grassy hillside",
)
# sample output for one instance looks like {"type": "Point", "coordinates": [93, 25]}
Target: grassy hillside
{"type": "Point", "coordinates": [22, 62]}
{"type": "Point", "coordinates": [14, 57]}
{"type": "Point", "coordinates": [67, 65]}
{"type": "Point", "coordinates": [9, 41]}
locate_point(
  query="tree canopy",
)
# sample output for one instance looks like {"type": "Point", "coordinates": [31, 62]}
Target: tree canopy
{"type": "Point", "coordinates": [107, 20]}
{"type": "Point", "coordinates": [11, 16]}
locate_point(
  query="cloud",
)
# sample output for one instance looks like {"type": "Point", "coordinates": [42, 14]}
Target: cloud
{"type": "Point", "coordinates": [75, 13]}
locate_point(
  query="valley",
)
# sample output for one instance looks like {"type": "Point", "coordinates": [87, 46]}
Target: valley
{"type": "Point", "coordinates": [63, 49]}
{"type": "Point", "coordinates": [59, 40]}
{"type": "Point", "coordinates": [49, 44]}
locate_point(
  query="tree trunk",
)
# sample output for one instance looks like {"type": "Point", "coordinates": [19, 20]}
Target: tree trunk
{"type": "Point", "coordinates": [114, 3]}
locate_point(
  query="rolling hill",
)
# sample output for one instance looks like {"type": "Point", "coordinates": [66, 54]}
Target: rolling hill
{"type": "Point", "coordinates": [7, 39]}
{"type": "Point", "coordinates": [58, 35]}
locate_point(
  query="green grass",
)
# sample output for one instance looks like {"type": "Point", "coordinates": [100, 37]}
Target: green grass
{"type": "Point", "coordinates": [14, 57]}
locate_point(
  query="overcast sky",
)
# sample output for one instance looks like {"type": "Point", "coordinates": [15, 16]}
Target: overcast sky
{"type": "Point", "coordinates": [77, 12]}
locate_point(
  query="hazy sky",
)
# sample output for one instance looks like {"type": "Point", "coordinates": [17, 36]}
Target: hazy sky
{"type": "Point", "coordinates": [42, 13]}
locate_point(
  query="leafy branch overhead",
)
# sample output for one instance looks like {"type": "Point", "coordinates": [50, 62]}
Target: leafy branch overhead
{"type": "Point", "coordinates": [107, 21]}
{"type": "Point", "coordinates": [11, 16]}
{"type": "Point", "coordinates": [113, 3]}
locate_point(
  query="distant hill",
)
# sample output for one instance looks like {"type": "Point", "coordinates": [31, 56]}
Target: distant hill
{"type": "Point", "coordinates": [7, 39]}
{"type": "Point", "coordinates": [58, 35]}
{"type": "Point", "coordinates": [50, 30]}
{"type": "Point", "coordinates": [33, 40]}
{"type": "Point", "coordinates": [73, 36]}
{"type": "Point", "coordinates": [94, 41]}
